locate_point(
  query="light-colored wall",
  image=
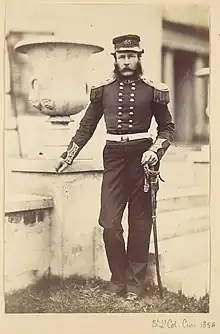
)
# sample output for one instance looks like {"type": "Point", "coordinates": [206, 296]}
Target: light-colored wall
{"type": "Point", "coordinates": [190, 14]}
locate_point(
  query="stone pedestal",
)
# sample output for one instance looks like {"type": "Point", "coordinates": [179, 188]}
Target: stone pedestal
{"type": "Point", "coordinates": [74, 219]}
{"type": "Point", "coordinates": [56, 137]}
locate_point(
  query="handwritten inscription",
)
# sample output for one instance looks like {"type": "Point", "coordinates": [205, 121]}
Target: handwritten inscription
{"type": "Point", "coordinates": [185, 323]}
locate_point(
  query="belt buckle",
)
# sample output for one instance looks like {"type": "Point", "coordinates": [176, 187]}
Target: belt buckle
{"type": "Point", "coordinates": [124, 139]}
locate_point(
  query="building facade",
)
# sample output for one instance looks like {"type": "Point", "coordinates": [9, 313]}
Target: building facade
{"type": "Point", "coordinates": [185, 50]}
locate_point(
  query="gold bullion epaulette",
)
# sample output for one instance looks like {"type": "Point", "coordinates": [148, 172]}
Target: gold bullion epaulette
{"type": "Point", "coordinates": [97, 90]}
{"type": "Point", "coordinates": [161, 91]}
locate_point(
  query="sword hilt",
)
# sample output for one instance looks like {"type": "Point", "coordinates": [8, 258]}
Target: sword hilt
{"type": "Point", "coordinates": [152, 172]}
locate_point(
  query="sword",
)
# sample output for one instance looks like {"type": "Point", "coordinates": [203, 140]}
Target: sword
{"type": "Point", "coordinates": [153, 175]}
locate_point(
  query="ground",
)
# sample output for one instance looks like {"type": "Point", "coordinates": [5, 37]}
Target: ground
{"type": "Point", "coordinates": [79, 295]}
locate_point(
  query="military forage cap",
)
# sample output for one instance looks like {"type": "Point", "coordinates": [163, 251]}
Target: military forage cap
{"type": "Point", "coordinates": [127, 43]}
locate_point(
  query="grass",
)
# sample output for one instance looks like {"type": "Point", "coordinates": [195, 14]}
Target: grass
{"type": "Point", "coordinates": [79, 295]}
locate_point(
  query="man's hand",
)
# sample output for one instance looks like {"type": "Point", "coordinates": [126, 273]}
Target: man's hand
{"type": "Point", "coordinates": [61, 165]}
{"type": "Point", "coordinates": [149, 157]}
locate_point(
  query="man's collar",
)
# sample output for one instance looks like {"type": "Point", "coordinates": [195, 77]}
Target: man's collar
{"type": "Point", "coordinates": [127, 80]}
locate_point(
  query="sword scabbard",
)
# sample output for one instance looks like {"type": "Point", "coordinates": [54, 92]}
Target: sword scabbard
{"type": "Point", "coordinates": [153, 178]}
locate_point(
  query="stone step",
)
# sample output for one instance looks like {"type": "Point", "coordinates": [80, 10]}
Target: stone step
{"type": "Point", "coordinates": [177, 153]}
{"type": "Point", "coordinates": [173, 224]}
{"type": "Point", "coordinates": [192, 281]}
{"type": "Point", "coordinates": [187, 153]}
{"type": "Point", "coordinates": [182, 243]}
{"type": "Point", "coordinates": [184, 251]}
{"type": "Point", "coordinates": [184, 174]}
{"type": "Point", "coordinates": [172, 199]}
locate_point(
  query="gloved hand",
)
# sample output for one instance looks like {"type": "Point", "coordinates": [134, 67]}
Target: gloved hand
{"type": "Point", "coordinates": [61, 165]}
{"type": "Point", "coordinates": [149, 157]}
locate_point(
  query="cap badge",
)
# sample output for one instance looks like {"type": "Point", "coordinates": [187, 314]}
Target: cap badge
{"type": "Point", "coordinates": [127, 42]}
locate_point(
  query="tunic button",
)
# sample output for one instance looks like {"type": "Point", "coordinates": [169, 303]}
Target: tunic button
{"type": "Point", "coordinates": [133, 88]}
{"type": "Point", "coordinates": [119, 126]}
{"type": "Point", "coordinates": [131, 108]}
{"type": "Point", "coordinates": [120, 100]}
{"type": "Point", "coordinates": [120, 113]}
{"type": "Point", "coordinates": [120, 94]}
{"type": "Point", "coordinates": [121, 83]}
{"type": "Point", "coordinates": [130, 126]}
{"type": "Point", "coordinates": [119, 108]}
{"type": "Point", "coordinates": [131, 100]}
{"type": "Point", "coordinates": [133, 83]}
{"type": "Point", "coordinates": [131, 113]}
{"type": "Point", "coordinates": [121, 87]}
{"type": "Point", "coordinates": [132, 94]}
{"type": "Point", "coordinates": [130, 121]}
{"type": "Point", "coordinates": [119, 120]}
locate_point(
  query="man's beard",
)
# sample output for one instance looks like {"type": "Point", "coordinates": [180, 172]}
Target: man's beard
{"type": "Point", "coordinates": [134, 73]}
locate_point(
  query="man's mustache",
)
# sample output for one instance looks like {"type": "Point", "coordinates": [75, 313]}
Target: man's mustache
{"type": "Point", "coordinates": [127, 68]}
{"type": "Point", "coordinates": [137, 71]}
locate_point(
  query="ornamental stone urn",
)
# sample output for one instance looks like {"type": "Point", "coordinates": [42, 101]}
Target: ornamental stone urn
{"type": "Point", "coordinates": [58, 87]}
{"type": "Point", "coordinates": [58, 84]}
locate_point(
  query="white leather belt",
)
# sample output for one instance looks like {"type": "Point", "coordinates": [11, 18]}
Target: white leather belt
{"type": "Point", "coordinates": [128, 137]}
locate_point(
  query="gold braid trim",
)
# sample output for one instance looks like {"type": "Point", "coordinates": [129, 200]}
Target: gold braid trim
{"type": "Point", "coordinates": [161, 96]}
{"type": "Point", "coordinates": [160, 146]}
{"type": "Point", "coordinates": [96, 94]}
{"type": "Point", "coordinates": [161, 91]}
{"type": "Point", "coordinates": [157, 145]}
{"type": "Point", "coordinates": [71, 153]}
{"type": "Point", "coordinates": [97, 90]}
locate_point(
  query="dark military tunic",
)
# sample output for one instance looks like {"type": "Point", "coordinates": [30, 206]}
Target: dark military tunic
{"type": "Point", "coordinates": [128, 107]}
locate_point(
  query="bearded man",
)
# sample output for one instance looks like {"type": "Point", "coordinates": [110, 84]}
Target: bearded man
{"type": "Point", "coordinates": [128, 101]}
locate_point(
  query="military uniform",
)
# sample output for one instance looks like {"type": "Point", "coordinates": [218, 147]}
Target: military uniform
{"type": "Point", "coordinates": [128, 107]}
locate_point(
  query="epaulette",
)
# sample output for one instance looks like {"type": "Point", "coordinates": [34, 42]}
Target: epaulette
{"type": "Point", "coordinates": [97, 90]}
{"type": "Point", "coordinates": [161, 91]}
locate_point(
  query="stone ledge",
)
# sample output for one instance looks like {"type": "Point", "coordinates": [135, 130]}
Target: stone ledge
{"type": "Point", "coordinates": [166, 192]}
{"type": "Point", "coordinates": [26, 165]}
{"type": "Point", "coordinates": [23, 202]}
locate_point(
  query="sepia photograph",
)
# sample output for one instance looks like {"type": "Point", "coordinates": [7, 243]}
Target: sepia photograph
{"type": "Point", "coordinates": [107, 158]}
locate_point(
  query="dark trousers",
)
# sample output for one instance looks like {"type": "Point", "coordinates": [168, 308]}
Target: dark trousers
{"type": "Point", "coordinates": [123, 182]}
